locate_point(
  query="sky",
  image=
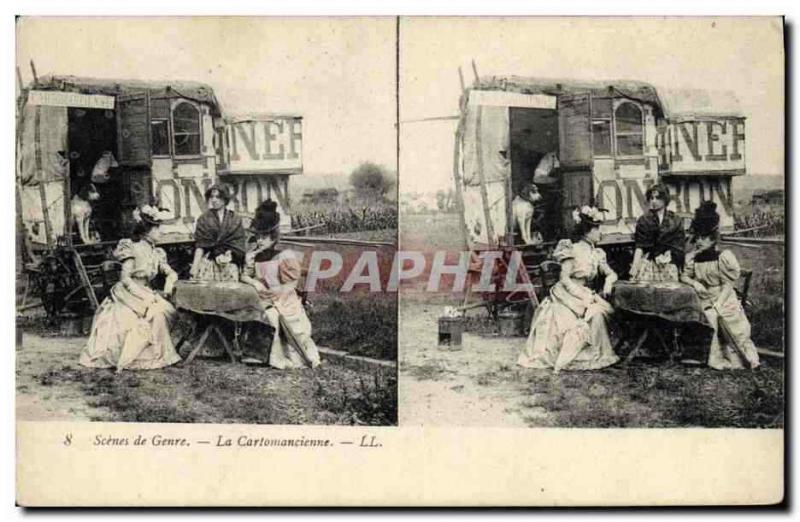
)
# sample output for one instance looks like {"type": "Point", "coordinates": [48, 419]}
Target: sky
{"type": "Point", "coordinates": [743, 56]}
{"type": "Point", "coordinates": [338, 73]}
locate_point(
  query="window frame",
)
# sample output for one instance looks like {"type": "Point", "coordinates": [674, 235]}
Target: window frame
{"type": "Point", "coordinates": [173, 149]}
{"type": "Point", "coordinates": [617, 103]}
{"type": "Point", "coordinates": [609, 120]}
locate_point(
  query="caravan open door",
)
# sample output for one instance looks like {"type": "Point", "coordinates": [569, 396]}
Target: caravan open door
{"type": "Point", "coordinates": [575, 153]}
{"type": "Point", "coordinates": [134, 149]}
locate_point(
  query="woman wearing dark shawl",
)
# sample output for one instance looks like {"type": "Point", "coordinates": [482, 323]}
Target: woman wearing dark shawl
{"type": "Point", "coordinates": [219, 240]}
{"type": "Point", "coordinates": [660, 240]}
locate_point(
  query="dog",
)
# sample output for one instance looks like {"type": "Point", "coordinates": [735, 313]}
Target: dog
{"type": "Point", "coordinates": [522, 207]}
{"type": "Point", "coordinates": [82, 212]}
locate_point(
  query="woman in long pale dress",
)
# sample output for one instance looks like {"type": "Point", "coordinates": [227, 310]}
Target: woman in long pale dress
{"type": "Point", "coordinates": [219, 240]}
{"type": "Point", "coordinates": [131, 328]}
{"type": "Point", "coordinates": [570, 327]}
{"type": "Point", "coordinates": [275, 274]}
{"type": "Point", "coordinates": [713, 274]}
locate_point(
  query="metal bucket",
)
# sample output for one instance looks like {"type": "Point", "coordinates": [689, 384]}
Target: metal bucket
{"type": "Point", "coordinates": [450, 330]}
{"type": "Point", "coordinates": [511, 323]}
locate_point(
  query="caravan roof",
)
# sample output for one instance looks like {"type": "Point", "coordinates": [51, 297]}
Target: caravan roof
{"type": "Point", "coordinates": [675, 104]}
{"type": "Point", "coordinates": [196, 91]}
{"type": "Point", "coordinates": [525, 85]}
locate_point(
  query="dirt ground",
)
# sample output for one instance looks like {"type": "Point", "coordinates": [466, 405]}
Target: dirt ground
{"type": "Point", "coordinates": [442, 387]}
{"type": "Point", "coordinates": [43, 399]}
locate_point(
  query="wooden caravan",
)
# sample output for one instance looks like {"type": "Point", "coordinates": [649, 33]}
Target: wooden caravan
{"type": "Point", "coordinates": [613, 140]}
{"type": "Point", "coordinates": [582, 143]}
{"type": "Point", "coordinates": [131, 142]}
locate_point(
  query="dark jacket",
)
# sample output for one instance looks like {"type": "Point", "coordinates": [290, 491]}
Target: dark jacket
{"type": "Point", "coordinates": [655, 239]}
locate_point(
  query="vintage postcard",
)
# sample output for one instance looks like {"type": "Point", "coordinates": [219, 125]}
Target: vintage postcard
{"type": "Point", "coordinates": [399, 261]}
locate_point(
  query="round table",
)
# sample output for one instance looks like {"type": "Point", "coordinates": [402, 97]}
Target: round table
{"type": "Point", "coordinates": [221, 301]}
{"type": "Point", "coordinates": [670, 306]}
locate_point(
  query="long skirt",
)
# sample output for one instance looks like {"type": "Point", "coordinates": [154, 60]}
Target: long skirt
{"type": "Point", "coordinates": [292, 345]}
{"type": "Point", "coordinates": [731, 349]}
{"type": "Point", "coordinates": [653, 272]}
{"type": "Point", "coordinates": [131, 332]}
{"type": "Point", "coordinates": [562, 339]}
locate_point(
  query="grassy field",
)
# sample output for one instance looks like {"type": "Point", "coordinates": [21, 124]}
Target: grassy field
{"type": "Point", "coordinates": [51, 385]}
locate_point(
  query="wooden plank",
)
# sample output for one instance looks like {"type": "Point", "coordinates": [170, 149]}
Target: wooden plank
{"type": "Point", "coordinates": [87, 284]}
{"type": "Point", "coordinates": [574, 130]}
{"type": "Point", "coordinates": [482, 178]}
{"type": "Point", "coordinates": [462, 225]}
{"type": "Point", "coordinates": [37, 129]}
{"type": "Point", "coordinates": [199, 346]}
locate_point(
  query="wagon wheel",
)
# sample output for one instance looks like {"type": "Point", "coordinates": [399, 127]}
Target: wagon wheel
{"type": "Point", "coordinates": [55, 283]}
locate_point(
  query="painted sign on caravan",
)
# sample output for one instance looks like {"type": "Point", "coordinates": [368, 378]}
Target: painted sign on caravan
{"type": "Point", "coordinates": [263, 144]}
{"type": "Point", "coordinates": [707, 145]}
{"type": "Point", "coordinates": [625, 200]}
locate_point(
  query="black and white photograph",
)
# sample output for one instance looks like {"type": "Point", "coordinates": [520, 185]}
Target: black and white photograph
{"type": "Point", "coordinates": [390, 260]}
{"type": "Point", "coordinates": [187, 214]}
{"type": "Point", "coordinates": [598, 210]}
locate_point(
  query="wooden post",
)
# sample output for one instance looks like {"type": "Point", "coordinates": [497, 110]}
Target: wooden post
{"type": "Point", "coordinates": [48, 227]}
{"type": "Point", "coordinates": [482, 178]}
{"type": "Point", "coordinates": [35, 77]}
{"type": "Point", "coordinates": [457, 180]}
{"type": "Point", "coordinates": [510, 224]}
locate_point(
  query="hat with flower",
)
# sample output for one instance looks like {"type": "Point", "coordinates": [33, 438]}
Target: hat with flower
{"type": "Point", "coordinates": [589, 215]}
{"type": "Point", "coordinates": [151, 214]}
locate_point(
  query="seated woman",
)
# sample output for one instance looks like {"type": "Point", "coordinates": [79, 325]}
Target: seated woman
{"type": "Point", "coordinates": [131, 326]}
{"type": "Point", "coordinates": [713, 275]}
{"type": "Point", "coordinates": [219, 240]}
{"type": "Point", "coordinates": [659, 239]}
{"type": "Point", "coordinates": [275, 274]}
{"type": "Point", "coordinates": [569, 329]}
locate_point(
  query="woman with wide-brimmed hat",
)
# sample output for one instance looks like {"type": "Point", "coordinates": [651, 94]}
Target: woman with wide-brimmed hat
{"type": "Point", "coordinates": [713, 275]}
{"type": "Point", "coordinates": [131, 328]}
{"type": "Point", "coordinates": [570, 327]}
{"type": "Point", "coordinates": [275, 273]}
{"type": "Point", "coordinates": [219, 239]}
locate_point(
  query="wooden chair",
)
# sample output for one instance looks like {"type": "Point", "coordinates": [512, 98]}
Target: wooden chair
{"type": "Point", "coordinates": [547, 272]}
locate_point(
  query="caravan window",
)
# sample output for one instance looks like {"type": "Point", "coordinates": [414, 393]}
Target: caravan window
{"type": "Point", "coordinates": [159, 126]}
{"type": "Point", "coordinates": [186, 129]}
{"type": "Point", "coordinates": [601, 126]}
{"type": "Point", "coordinates": [629, 129]}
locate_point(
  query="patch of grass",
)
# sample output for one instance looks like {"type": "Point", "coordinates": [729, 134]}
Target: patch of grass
{"type": "Point", "coordinates": [659, 396]}
{"type": "Point", "coordinates": [358, 324]}
{"type": "Point", "coordinates": [215, 391]}
{"type": "Point", "coordinates": [371, 400]}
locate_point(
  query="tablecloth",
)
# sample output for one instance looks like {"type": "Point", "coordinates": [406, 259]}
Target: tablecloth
{"type": "Point", "coordinates": [231, 300]}
{"type": "Point", "coordinates": [674, 302]}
